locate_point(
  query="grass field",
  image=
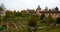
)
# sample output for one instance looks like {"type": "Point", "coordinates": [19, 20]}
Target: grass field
{"type": "Point", "coordinates": [20, 26]}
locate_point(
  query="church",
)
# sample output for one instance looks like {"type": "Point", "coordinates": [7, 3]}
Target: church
{"type": "Point", "coordinates": [53, 14]}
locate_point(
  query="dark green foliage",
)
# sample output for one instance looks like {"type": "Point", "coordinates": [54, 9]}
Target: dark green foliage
{"type": "Point", "coordinates": [49, 19]}
{"type": "Point", "coordinates": [3, 27]}
{"type": "Point", "coordinates": [1, 9]}
{"type": "Point", "coordinates": [42, 21]}
{"type": "Point", "coordinates": [9, 14]}
{"type": "Point", "coordinates": [0, 19]}
{"type": "Point", "coordinates": [58, 20]}
{"type": "Point", "coordinates": [31, 23]}
{"type": "Point", "coordinates": [42, 16]}
{"type": "Point", "coordinates": [17, 13]}
{"type": "Point", "coordinates": [56, 9]}
{"type": "Point", "coordinates": [50, 10]}
{"type": "Point", "coordinates": [33, 20]}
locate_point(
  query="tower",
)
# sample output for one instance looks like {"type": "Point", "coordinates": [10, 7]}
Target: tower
{"type": "Point", "coordinates": [38, 10]}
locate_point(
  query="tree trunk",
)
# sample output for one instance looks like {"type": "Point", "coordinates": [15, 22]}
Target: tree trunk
{"type": "Point", "coordinates": [48, 28]}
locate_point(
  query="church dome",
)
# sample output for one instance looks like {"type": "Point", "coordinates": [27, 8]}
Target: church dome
{"type": "Point", "coordinates": [38, 8]}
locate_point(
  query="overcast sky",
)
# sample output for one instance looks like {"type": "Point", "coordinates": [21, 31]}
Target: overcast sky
{"type": "Point", "coordinates": [31, 4]}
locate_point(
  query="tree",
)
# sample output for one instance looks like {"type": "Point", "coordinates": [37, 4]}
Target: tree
{"type": "Point", "coordinates": [58, 20]}
{"type": "Point", "coordinates": [48, 20]}
{"type": "Point", "coordinates": [50, 10]}
{"type": "Point", "coordinates": [17, 14]}
{"type": "Point", "coordinates": [42, 16]}
{"type": "Point", "coordinates": [46, 9]}
{"type": "Point", "coordinates": [1, 9]}
{"type": "Point", "coordinates": [23, 13]}
{"type": "Point", "coordinates": [9, 13]}
{"type": "Point", "coordinates": [0, 13]}
{"type": "Point", "coordinates": [3, 27]}
{"type": "Point", "coordinates": [33, 23]}
{"type": "Point", "coordinates": [56, 9]}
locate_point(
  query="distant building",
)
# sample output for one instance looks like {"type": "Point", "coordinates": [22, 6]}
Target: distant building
{"type": "Point", "coordinates": [2, 10]}
{"type": "Point", "coordinates": [30, 11]}
{"type": "Point", "coordinates": [38, 10]}
{"type": "Point", "coordinates": [54, 14]}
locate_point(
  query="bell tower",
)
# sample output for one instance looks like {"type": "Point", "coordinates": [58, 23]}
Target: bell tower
{"type": "Point", "coordinates": [38, 10]}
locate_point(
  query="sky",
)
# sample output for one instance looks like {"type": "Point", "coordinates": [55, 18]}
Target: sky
{"type": "Point", "coordinates": [29, 4]}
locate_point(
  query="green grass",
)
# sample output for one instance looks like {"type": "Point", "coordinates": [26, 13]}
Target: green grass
{"type": "Point", "coordinates": [56, 29]}
{"type": "Point", "coordinates": [25, 21]}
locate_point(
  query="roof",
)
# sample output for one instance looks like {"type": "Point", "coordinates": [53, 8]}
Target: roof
{"type": "Point", "coordinates": [49, 11]}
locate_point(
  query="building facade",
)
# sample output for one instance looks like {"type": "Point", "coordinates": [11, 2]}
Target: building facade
{"type": "Point", "coordinates": [54, 14]}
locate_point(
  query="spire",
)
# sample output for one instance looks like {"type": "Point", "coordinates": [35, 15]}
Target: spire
{"type": "Point", "coordinates": [38, 8]}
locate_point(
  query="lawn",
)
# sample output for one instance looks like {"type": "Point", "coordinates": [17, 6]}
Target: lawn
{"type": "Point", "coordinates": [56, 29]}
